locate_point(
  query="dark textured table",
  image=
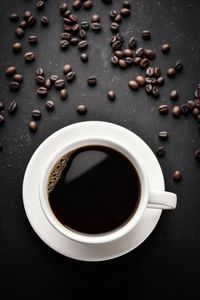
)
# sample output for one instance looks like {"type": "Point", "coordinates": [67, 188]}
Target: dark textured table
{"type": "Point", "coordinates": [167, 264]}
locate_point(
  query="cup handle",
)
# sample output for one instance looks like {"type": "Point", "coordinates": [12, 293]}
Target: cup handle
{"type": "Point", "coordinates": [162, 200]}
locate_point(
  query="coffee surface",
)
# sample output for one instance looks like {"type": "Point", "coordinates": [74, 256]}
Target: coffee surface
{"type": "Point", "coordinates": [93, 189]}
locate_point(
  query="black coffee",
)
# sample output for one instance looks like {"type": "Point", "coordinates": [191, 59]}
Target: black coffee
{"type": "Point", "coordinates": [93, 189]}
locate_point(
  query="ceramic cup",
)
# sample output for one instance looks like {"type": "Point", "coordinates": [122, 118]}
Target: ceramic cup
{"type": "Point", "coordinates": [148, 198]}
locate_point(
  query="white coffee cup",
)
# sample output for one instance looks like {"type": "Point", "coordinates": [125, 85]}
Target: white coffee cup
{"type": "Point", "coordinates": [148, 198]}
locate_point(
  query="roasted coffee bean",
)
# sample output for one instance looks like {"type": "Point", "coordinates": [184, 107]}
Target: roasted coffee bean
{"type": "Point", "coordinates": [132, 43]}
{"type": "Point", "coordinates": [179, 66]}
{"type": "Point", "coordinates": [12, 107]}
{"type": "Point", "coordinates": [96, 26]}
{"type": "Point", "coordinates": [2, 119]}
{"type": "Point", "coordinates": [144, 63]}
{"type": "Point", "coordinates": [127, 53]}
{"type": "Point", "coordinates": [49, 105]}
{"type": "Point", "coordinates": [59, 84]}
{"type": "Point", "coordinates": [27, 14]}
{"type": "Point", "coordinates": [88, 4]}
{"type": "Point", "coordinates": [75, 29]}
{"type": "Point", "coordinates": [44, 21]}
{"type": "Point", "coordinates": [70, 76]}
{"type": "Point", "coordinates": [176, 111]}
{"type": "Point", "coordinates": [17, 47]}
{"type": "Point", "coordinates": [137, 60]}
{"type": "Point", "coordinates": [29, 56]}
{"type": "Point", "coordinates": [40, 72]}
{"type": "Point", "coordinates": [113, 14]}
{"type": "Point", "coordinates": [171, 72]}
{"type": "Point", "coordinates": [65, 36]}
{"type": "Point", "coordinates": [157, 72]}
{"type": "Point", "coordinates": [139, 52]}
{"type": "Point", "coordinates": [1, 106]}
{"type": "Point", "coordinates": [40, 79]}
{"type": "Point", "coordinates": [114, 60]}
{"type": "Point", "coordinates": [81, 109]}
{"type": "Point", "coordinates": [85, 25]}
{"type": "Point", "coordinates": [32, 125]}
{"type": "Point", "coordinates": [190, 104]}
{"type": "Point", "coordinates": [48, 84]}
{"type": "Point", "coordinates": [146, 34]}
{"type": "Point", "coordinates": [196, 112]}
{"type": "Point", "coordinates": [92, 81]}
{"type": "Point", "coordinates": [163, 109]}
{"type": "Point", "coordinates": [73, 18]}
{"type": "Point", "coordinates": [161, 151]}
{"type": "Point", "coordinates": [185, 109]}
{"type": "Point", "coordinates": [18, 78]}
{"type": "Point", "coordinates": [149, 53]}
{"type": "Point", "coordinates": [197, 154]}
{"type": "Point", "coordinates": [23, 24]}
{"type": "Point", "coordinates": [67, 13]}
{"type": "Point", "coordinates": [125, 12]}
{"type": "Point", "coordinates": [67, 68]}
{"type": "Point", "coordinates": [111, 95]}
{"type": "Point", "coordinates": [197, 93]}
{"type": "Point", "coordinates": [150, 72]}
{"type": "Point", "coordinates": [74, 41]}
{"type": "Point", "coordinates": [122, 64]}
{"type": "Point", "coordinates": [76, 5]}
{"type": "Point", "coordinates": [33, 39]}
{"type": "Point", "coordinates": [67, 28]}
{"type": "Point", "coordinates": [165, 48]}
{"type": "Point", "coordinates": [197, 103]}
{"type": "Point", "coordinates": [155, 91]}
{"type": "Point", "coordinates": [36, 114]}
{"type": "Point", "coordinates": [63, 8]}
{"type": "Point", "coordinates": [163, 135]}
{"type": "Point", "coordinates": [118, 19]}
{"type": "Point", "coordinates": [114, 27]}
{"type": "Point", "coordinates": [174, 95]}
{"type": "Point", "coordinates": [19, 32]}
{"type": "Point", "coordinates": [95, 18]}
{"type": "Point", "coordinates": [150, 80]}
{"type": "Point", "coordinates": [14, 86]}
{"type": "Point", "coordinates": [40, 4]}
{"type": "Point", "coordinates": [10, 71]}
{"type": "Point", "coordinates": [126, 4]}
{"type": "Point", "coordinates": [63, 94]}
{"type": "Point", "coordinates": [42, 91]}
{"type": "Point", "coordinates": [53, 78]}
{"type": "Point", "coordinates": [82, 45]}
{"type": "Point", "coordinates": [84, 57]}
{"type": "Point", "coordinates": [14, 17]}
{"type": "Point", "coordinates": [140, 80]}
{"type": "Point", "coordinates": [82, 34]}
{"type": "Point", "coordinates": [177, 176]}
{"type": "Point", "coordinates": [117, 45]}
{"type": "Point", "coordinates": [133, 85]}
{"type": "Point", "coordinates": [31, 21]}
{"type": "Point", "coordinates": [160, 81]}
{"type": "Point", "coordinates": [149, 88]}
{"type": "Point", "coordinates": [64, 44]}
{"type": "Point", "coordinates": [129, 61]}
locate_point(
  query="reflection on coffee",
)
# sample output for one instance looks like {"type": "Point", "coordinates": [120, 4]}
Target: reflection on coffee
{"type": "Point", "coordinates": [93, 189]}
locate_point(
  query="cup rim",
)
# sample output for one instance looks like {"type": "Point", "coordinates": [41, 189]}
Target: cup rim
{"type": "Point", "coordinates": [107, 236]}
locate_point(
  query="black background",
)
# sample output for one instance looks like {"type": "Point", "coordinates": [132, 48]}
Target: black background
{"type": "Point", "coordinates": [167, 264]}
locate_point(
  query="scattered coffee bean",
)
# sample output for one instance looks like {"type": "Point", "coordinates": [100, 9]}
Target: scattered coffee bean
{"type": "Point", "coordinates": [139, 52]}
{"type": "Point", "coordinates": [117, 45]}
{"type": "Point", "coordinates": [133, 85]}
{"type": "Point", "coordinates": [64, 94]}
{"type": "Point", "coordinates": [70, 76]}
{"type": "Point", "coordinates": [75, 29]}
{"type": "Point", "coordinates": [155, 91]}
{"type": "Point", "coordinates": [59, 84]}
{"type": "Point", "coordinates": [165, 48]}
{"type": "Point", "coordinates": [67, 28]}
{"type": "Point", "coordinates": [84, 57]}
{"type": "Point", "coordinates": [137, 60]}
{"type": "Point", "coordinates": [111, 95]}
{"type": "Point", "coordinates": [197, 154]}
{"type": "Point", "coordinates": [132, 42]}
{"type": "Point", "coordinates": [14, 17]}
{"type": "Point", "coordinates": [53, 78]}
{"type": "Point", "coordinates": [33, 39]}
{"type": "Point", "coordinates": [190, 104]}
{"type": "Point", "coordinates": [92, 81]}
{"type": "Point", "coordinates": [174, 95]}
{"type": "Point", "coordinates": [149, 53]}
{"type": "Point", "coordinates": [144, 63]}
{"type": "Point", "coordinates": [40, 72]}
{"type": "Point", "coordinates": [150, 72]}
{"type": "Point", "coordinates": [163, 135]}
{"type": "Point", "coordinates": [76, 5]}
{"type": "Point", "coordinates": [65, 36]}
{"type": "Point", "coordinates": [29, 56]}
{"type": "Point", "coordinates": [113, 14]}
{"type": "Point", "coordinates": [42, 91]}
{"type": "Point", "coordinates": [87, 4]}
{"type": "Point", "coordinates": [1, 106]}
{"type": "Point", "coordinates": [81, 109]}
{"type": "Point", "coordinates": [171, 72]}
{"type": "Point", "coordinates": [64, 44]}
{"type": "Point", "coordinates": [114, 60]}
{"type": "Point", "coordinates": [178, 66]}
{"type": "Point", "coordinates": [40, 4]}
{"type": "Point", "coordinates": [150, 80]}
{"type": "Point", "coordinates": [197, 93]}
{"type": "Point", "coordinates": [17, 47]}
{"type": "Point", "coordinates": [114, 27]}
{"type": "Point", "coordinates": [49, 105]}
{"type": "Point", "coordinates": [125, 12]}
{"type": "Point", "coordinates": [129, 61]}
{"type": "Point", "coordinates": [82, 34]}
{"type": "Point", "coordinates": [161, 151]}
{"type": "Point", "coordinates": [85, 25]}
{"type": "Point", "coordinates": [176, 111]}
{"type": "Point", "coordinates": [118, 19]}
{"type": "Point", "coordinates": [48, 84]}
{"type": "Point", "coordinates": [18, 78]}
{"type": "Point", "coordinates": [185, 109]}
{"type": "Point", "coordinates": [160, 81]}
{"type": "Point", "coordinates": [19, 32]}
{"type": "Point", "coordinates": [122, 64]}
{"type": "Point", "coordinates": [73, 18]}
{"type": "Point", "coordinates": [10, 71]}
{"type": "Point", "coordinates": [126, 53]}
{"type": "Point", "coordinates": [146, 34]}
{"type": "Point", "coordinates": [63, 8]}
{"type": "Point", "coordinates": [31, 21]}
{"type": "Point", "coordinates": [149, 88]}
{"type": "Point", "coordinates": [12, 107]}
{"type": "Point", "coordinates": [27, 14]}
{"type": "Point", "coordinates": [2, 119]}
{"type": "Point", "coordinates": [126, 4]}
{"type": "Point", "coordinates": [32, 125]}
{"type": "Point", "coordinates": [40, 79]}
{"type": "Point", "coordinates": [157, 72]}
{"type": "Point", "coordinates": [74, 41]}
{"type": "Point", "coordinates": [67, 68]}
{"type": "Point", "coordinates": [95, 18]}
{"type": "Point", "coordinates": [44, 21]}
{"type": "Point", "coordinates": [196, 112]}
{"type": "Point", "coordinates": [36, 114]}
{"type": "Point", "coordinates": [14, 86]}
{"type": "Point", "coordinates": [82, 45]}
{"type": "Point", "coordinates": [177, 176]}
{"type": "Point", "coordinates": [163, 109]}
{"type": "Point", "coordinates": [96, 26]}
{"type": "Point", "coordinates": [140, 80]}
{"type": "Point", "coordinates": [23, 24]}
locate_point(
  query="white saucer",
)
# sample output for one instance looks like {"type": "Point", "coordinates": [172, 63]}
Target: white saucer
{"type": "Point", "coordinates": [55, 239]}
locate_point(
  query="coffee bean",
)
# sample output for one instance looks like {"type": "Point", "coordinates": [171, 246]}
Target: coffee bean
{"type": "Point", "coordinates": [40, 4]}
{"type": "Point", "coordinates": [137, 60]}
{"type": "Point", "coordinates": [31, 21]}
{"type": "Point", "coordinates": [27, 14]}
{"type": "Point", "coordinates": [44, 21]}
{"type": "Point", "coordinates": [197, 93]}
{"type": "Point", "coordinates": [59, 84]}
{"type": "Point", "coordinates": [114, 27]}
{"type": "Point", "coordinates": [133, 85]}
{"type": "Point", "coordinates": [19, 32]}
{"type": "Point", "coordinates": [165, 48]}
{"type": "Point", "coordinates": [84, 57]}
{"type": "Point", "coordinates": [155, 91]}
{"type": "Point", "coordinates": [198, 118]}
{"type": "Point", "coordinates": [64, 44]}
{"type": "Point", "coordinates": [23, 24]}
{"type": "Point", "coordinates": [2, 119]}
{"type": "Point", "coordinates": [149, 53]}
{"type": "Point", "coordinates": [127, 53]}
{"type": "Point", "coordinates": [174, 95]}
{"type": "Point", "coordinates": [163, 135]}
{"type": "Point", "coordinates": [75, 29]}
{"type": "Point", "coordinates": [73, 18]}
{"type": "Point", "coordinates": [144, 63]}
{"type": "Point", "coordinates": [126, 4]}
{"type": "Point", "coordinates": [1, 106]}
{"type": "Point", "coordinates": [92, 81]}
{"type": "Point", "coordinates": [65, 36]}
{"type": "Point", "coordinates": [118, 19]}
{"type": "Point", "coordinates": [129, 61]}
{"type": "Point", "coordinates": [95, 18]}
{"type": "Point", "coordinates": [74, 41]}
{"type": "Point", "coordinates": [176, 111]}
{"type": "Point", "coordinates": [96, 26]}
{"type": "Point", "coordinates": [82, 45]}
{"type": "Point", "coordinates": [40, 79]}
{"type": "Point", "coordinates": [196, 112]}
{"type": "Point", "coordinates": [177, 176]}
{"type": "Point", "coordinates": [49, 105]}
{"type": "Point", "coordinates": [149, 88]}
{"type": "Point", "coordinates": [150, 72]}
{"type": "Point", "coordinates": [14, 86]}
{"type": "Point", "coordinates": [197, 103]}
{"type": "Point", "coordinates": [48, 84]}
{"type": "Point", "coordinates": [67, 13]}
{"type": "Point", "coordinates": [81, 109]}
{"type": "Point", "coordinates": [85, 25]}
{"type": "Point", "coordinates": [53, 78]}
{"type": "Point", "coordinates": [33, 39]}
{"type": "Point", "coordinates": [116, 45]}
{"type": "Point", "coordinates": [161, 151]}
{"type": "Point", "coordinates": [171, 72]}
{"type": "Point", "coordinates": [160, 81]}
{"type": "Point", "coordinates": [179, 66]}
{"type": "Point", "coordinates": [132, 42]}
{"type": "Point", "coordinates": [29, 56]}
{"type": "Point", "coordinates": [40, 72]}
{"type": "Point", "coordinates": [111, 95]}
{"type": "Point", "coordinates": [32, 125]}
{"type": "Point", "coordinates": [114, 60]}
{"type": "Point", "coordinates": [67, 68]}
{"type": "Point", "coordinates": [157, 72]}
{"type": "Point", "coordinates": [190, 104]}
{"type": "Point", "coordinates": [122, 64]}
{"type": "Point", "coordinates": [17, 47]}
{"type": "Point", "coordinates": [113, 14]}
{"type": "Point", "coordinates": [42, 91]}
{"type": "Point", "coordinates": [140, 80]}
{"type": "Point", "coordinates": [70, 76]}
{"type": "Point", "coordinates": [36, 114]}
{"type": "Point", "coordinates": [12, 107]}
{"type": "Point", "coordinates": [82, 34]}
{"type": "Point", "coordinates": [125, 12]}
{"type": "Point", "coordinates": [18, 78]}
{"type": "Point", "coordinates": [67, 28]}
{"type": "Point", "coordinates": [76, 5]}
{"type": "Point", "coordinates": [139, 52]}
{"type": "Point", "coordinates": [64, 94]}
{"type": "Point", "coordinates": [197, 154]}
{"type": "Point", "coordinates": [185, 109]}
{"type": "Point", "coordinates": [63, 8]}
{"type": "Point", "coordinates": [163, 109]}
{"type": "Point", "coordinates": [14, 17]}
{"type": "Point", "coordinates": [146, 34]}
{"type": "Point", "coordinates": [10, 71]}
{"type": "Point", "coordinates": [88, 4]}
